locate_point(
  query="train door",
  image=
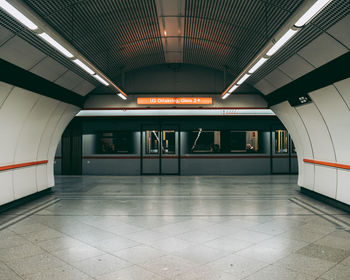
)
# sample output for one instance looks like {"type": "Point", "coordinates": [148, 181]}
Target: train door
{"type": "Point", "coordinates": [283, 157]}
{"type": "Point", "coordinates": [160, 150]}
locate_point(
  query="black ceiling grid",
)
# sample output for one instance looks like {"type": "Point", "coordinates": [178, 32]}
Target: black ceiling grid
{"type": "Point", "coordinates": [123, 35]}
{"type": "Point", "coordinates": [230, 33]}
{"type": "Point", "coordinates": [115, 35]}
{"type": "Point", "coordinates": [333, 13]}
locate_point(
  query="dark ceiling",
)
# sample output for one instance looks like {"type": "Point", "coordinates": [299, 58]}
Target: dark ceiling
{"type": "Point", "coordinates": [124, 35]}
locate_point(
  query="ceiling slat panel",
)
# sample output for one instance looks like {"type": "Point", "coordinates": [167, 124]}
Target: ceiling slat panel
{"type": "Point", "coordinates": [122, 35]}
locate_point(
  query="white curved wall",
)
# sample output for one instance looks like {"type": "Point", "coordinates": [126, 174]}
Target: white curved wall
{"type": "Point", "coordinates": [321, 132]}
{"type": "Point", "coordinates": [321, 129]}
{"type": "Point", "coordinates": [31, 126]}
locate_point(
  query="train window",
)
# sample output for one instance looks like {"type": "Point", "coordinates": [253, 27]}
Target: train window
{"type": "Point", "coordinates": [281, 141]}
{"type": "Point", "coordinates": [205, 141]}
{"type": "Point", "coordinates": [152, 142]}
{"type": "Point", "coordinates": [223, 141]}
{"type": "Point", "coordinates": [168, 141]}
{"type": "Point", "coordinates": [244, 141]}
{"type": "Point", "coordinates": [116, 142]}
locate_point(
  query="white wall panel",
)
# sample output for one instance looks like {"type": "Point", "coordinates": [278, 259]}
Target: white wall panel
{"type": "Point", "coordinates": [49, 130]}
{"type": "Point", "coordinates": [282, 110]}
{"type": "Point", "coordinates": [24, 181]}
{"type": "Point", "coordinates": [49, 69]}
{"type": "Point", "coordinates": [341, 32]}
{"type": "Point", "coordinates": [42, 181]}
{"type": "Point", "coordinates": [326, 180]}
{"type": "Point", "coordinates": [20, 53]}
{"type": "Point", "coordinates": [278, 79]}
{"type": "Point", "coordinates": [264, 86]}
{"type": "Point", "coordinates": [68, 80]}
{"type": "Point", "coordinates": [13, 113]}
{"type": "Point", "coordinates": [343, 88]}
{"type": "Point", "coordinates": [5, 34]}
{"type": "Point", "coordinates": [43, 149]}
{"type": "Point", "coordinates": [322, 50]}
{"type": "Point", "coordinates": [296, 66]}
{"type": "Point", "coordinates": [296, 128]}
{"type": "Point", "coordinates": [337, 117]}
{"type": "Point", "coordinates": [83, 88]}
{"type": "Point", "coordinates": [317, 130]}
{"type": "Point", "coordinates": [308, 181]}
{"type": "Point", "coordinates": [67, 116]}
{"type": "Point", "coordinates": [32, 129]}
{"type": "Point", "coordinates": [6, 194]}
{"type": "Point", "coordinates": [343, 192]}
{"type": "Point", "coordinates": [5, 90]}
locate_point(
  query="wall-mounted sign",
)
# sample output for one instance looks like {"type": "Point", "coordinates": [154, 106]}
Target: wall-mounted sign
{"type": "Point", "coordinates": [174, 100]}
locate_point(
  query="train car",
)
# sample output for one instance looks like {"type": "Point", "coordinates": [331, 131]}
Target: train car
{"type": "Point", "coordinates": [186, 145]}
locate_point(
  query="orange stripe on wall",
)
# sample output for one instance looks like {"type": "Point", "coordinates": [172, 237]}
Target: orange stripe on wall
{"type": "Point", "coordinates": [26, 164]}
{"type": "Point", "coordinates": [325, 163]}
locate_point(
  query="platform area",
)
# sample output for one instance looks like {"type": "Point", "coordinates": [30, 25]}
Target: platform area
{"type": "Point", "coordinates": [175, 227]}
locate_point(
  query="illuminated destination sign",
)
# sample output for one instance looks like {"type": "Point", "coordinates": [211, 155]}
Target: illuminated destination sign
{"type": "Point", "coordinates": [174, 100]}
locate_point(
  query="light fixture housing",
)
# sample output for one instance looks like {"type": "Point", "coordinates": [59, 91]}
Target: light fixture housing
{"type": "Point", "coordinates": [257, 65]}
{"type": "Point", "coordinates": [56, 45]}
{"type": "Point", "coordinates": [100, 79]}
{"type": "Point", "coordinates": [241, 80]}
{"type": "Point", "coordinates": [122, 96]}
{"type": "Point", "coordinates": [83, 66]}
{"type": "Point", "coordinates": [313, 11]}
{"type": "Point", "coordinates": [14, 12]}
{"type": "Point", "coordinates": [282, 41]}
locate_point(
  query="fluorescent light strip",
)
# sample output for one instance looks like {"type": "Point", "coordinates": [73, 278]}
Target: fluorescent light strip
{"type": "Point", "coordinates": [282, 41]}
{"type": "Point", "coordinates": [312, 12]}
{"type": "Point", "coordinates": [17, 15]}
{"type": "Point", "coordinates": [241, 81]}
{"type": "Point", "coordinates": [226, 95]}
{"type": "Point", "coordinates": [56, 45]}
{"type": "Point", "coordinates": [83, 66]}
{"type": "Point", "coordinates": [122, 96]}
{"type": "Point", "coordinates": [99, 78]}
{"type": "Point", "coordinates": [233, 89]}
{"type": "Point", "coordinates": [257, 65]}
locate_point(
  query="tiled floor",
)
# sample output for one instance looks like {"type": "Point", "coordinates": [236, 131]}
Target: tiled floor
{"type": "Point", "coordinates": [170, 227]}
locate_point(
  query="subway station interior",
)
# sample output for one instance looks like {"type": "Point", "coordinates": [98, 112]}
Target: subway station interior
{"type": "Point", "coordinates": [174, 139]}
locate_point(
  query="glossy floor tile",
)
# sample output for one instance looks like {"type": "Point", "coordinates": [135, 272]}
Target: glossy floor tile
{"type": "Point", "coordinates": [173, 227]}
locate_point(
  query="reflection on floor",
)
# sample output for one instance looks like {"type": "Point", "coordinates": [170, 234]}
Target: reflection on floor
{"type": "Point", "coordinates": [171, 227]}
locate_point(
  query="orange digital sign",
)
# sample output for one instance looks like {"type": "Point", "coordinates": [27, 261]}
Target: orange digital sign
{"type": "Point", "coordinates": [174, 100]}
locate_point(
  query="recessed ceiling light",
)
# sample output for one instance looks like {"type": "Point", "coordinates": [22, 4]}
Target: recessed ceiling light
{"type": "Point", "coordinates": [56, 45]}
{"type": "Point", "coordinates": [11, 10]}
